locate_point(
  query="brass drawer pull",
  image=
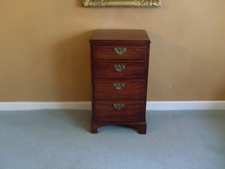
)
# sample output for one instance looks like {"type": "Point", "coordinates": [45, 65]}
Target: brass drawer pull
{"type": "Point", "coordinates": [120, 51]}
{"type": "Point", "coordinates": [119, 67]}
{"type": "Point", "coordinates": [119, 106]}
{"type": "Point", "coordinates": [119, 86]}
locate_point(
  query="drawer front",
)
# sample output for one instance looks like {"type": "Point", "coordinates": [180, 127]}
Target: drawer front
{"type": "Point", "coordinates": [120, 111]}
{"type": "Point", "coordinates": [120, 70]}
{"type": "Point", "coordinates": [120, 52]}
{"type": "Point", "coordinates": [120, 89]}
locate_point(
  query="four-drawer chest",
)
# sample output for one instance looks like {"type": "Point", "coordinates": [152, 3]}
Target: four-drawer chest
{"type": "Point", "coordinates": [119, 78]}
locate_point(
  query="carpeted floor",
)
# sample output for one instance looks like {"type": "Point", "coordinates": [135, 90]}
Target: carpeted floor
{"type": "Point", "coordinates": [61, 140]}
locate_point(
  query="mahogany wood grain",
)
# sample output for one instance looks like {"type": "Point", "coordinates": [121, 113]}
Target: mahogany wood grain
{"type": "Point", "coordinates": [108, 52]}
{"type": "Point", "coordinates": [133, 89]}
{"type": "Point", "coordinates": [132, 70]}
{"type": "Point", "coordinates": [127, 65]}
{"type": "Point", "coordinates": [127, 35]}
{"type": "Point", "coordinates": [132, 112]}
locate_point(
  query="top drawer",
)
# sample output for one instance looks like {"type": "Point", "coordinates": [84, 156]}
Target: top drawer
{"type": "Point", "coordinates": [120, 52]}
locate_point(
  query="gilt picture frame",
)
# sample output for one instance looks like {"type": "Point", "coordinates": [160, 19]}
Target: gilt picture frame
{"type": "Point", "coordinates": [121, 3]}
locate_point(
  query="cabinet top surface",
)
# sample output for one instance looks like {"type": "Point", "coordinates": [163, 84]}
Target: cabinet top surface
{"type": "Point", "coordinates": [120, 35]}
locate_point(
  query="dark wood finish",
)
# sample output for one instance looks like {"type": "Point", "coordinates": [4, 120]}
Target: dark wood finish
{"type": "Point", "coordinates": [130, 89]}
{"type": "Point", "coordinates": [120, 35]}
{"type": "Point", "coordinates": [108, 52]}
{"type": "Point", "coordinates": [132, 112]}
{"type": "Point", "coordinates": [107, 70]}
{"type": "Point", "coordinates": [119, 78]}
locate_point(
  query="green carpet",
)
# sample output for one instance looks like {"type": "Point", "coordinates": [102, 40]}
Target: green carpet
{"type": "Point", "coordinates": [61, 140]}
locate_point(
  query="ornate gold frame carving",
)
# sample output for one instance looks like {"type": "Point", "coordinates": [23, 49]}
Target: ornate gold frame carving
{"type": "Point", "coordinates": [121, 3]}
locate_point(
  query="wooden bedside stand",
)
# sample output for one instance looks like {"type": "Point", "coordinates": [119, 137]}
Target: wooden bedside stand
{"type": "Point", "coordinates": [119, 78]}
